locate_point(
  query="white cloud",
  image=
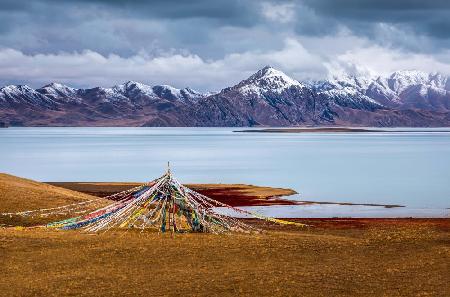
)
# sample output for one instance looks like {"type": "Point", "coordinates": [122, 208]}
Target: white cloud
{"type": "Point", "coordinates": [376, 60]}
{"type": "Point", "coordinates": [283, 13]}
{"type": "Point", "coordinates": [89, 68]}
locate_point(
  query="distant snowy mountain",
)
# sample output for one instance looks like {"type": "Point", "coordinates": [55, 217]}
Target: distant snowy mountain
{"type": "Point", "coordinates": [268, 97]}
{"type": "Point", "coordinates": [60, 93]}
{"type": "Point", "coordinates": [22, 95]}
{"type": "Point", "coordinates": [412, 90]}
{"type": "Point", "coordinates": [401, 90]}
{"type": "Point", "coordinates": [267, 80]}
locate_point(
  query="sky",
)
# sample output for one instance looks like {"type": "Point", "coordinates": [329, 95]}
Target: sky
{"type": "Point", "coordinates": [211, 44]}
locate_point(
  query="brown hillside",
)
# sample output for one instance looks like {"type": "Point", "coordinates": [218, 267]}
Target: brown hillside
{"type": "Point", "coordinates": [20, 194]}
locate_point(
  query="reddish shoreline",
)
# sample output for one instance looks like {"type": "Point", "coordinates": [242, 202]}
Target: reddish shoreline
{"type": "Point", "coordinates": [232, 194]}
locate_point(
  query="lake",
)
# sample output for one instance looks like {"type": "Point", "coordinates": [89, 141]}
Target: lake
{"type": "Point", "coordinates": [411, 169]}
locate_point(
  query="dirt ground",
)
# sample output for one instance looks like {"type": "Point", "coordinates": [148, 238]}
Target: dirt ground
{"type": "Point", "coordinates": [333, 258]}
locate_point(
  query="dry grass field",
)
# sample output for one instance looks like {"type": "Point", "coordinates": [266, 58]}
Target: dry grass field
{"type": "Point", "coordinates": [20, 194]}
{"type": "Point", "coordinates": [344, 257]}
{"type": "Point", "coordinates": [371, 258]}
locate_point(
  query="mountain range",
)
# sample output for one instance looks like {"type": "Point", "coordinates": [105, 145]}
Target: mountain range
{"type": "Point", "coordinates": [267, 98]}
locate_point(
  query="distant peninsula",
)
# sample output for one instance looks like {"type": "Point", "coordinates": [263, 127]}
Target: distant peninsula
{"type": "Point", "coordinates": [311, 130]}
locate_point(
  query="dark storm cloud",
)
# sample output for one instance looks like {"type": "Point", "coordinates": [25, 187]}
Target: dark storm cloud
{"type": "Point", "coordinates": [122, 27]}
{"type": "Point", "coordinates": [424, 17]}
{"type": "Point", "coordinates": [238, 11]}
{"type": "Point", "coordinates": [127, 27]}
{"type": "Point", "coordinates": [211, 43]}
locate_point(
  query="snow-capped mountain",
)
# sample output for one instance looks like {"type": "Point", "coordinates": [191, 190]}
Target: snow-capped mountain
{"type": "Point", "coordinates": [401, 89]}
{"type": "Point", "coordinates": [347, 91]}
{"type": "Point", "coordinates": [171, 93]}
{"type": "Point", "coordinates": [56, 94]}
{"type": "Point", "coordinates": [268, 97]}
{"type": "Point", "coordinates": [59, 93]}
{"type": "Point", "coordinates": [412, 90]}
{"type": "Point", "coordinates": [23, 95]}
{"type": "Point", "coordinates": [267, 80]}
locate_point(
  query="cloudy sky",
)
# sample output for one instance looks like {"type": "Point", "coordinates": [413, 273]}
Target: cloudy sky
{"type": "Point", "coordinates": [211, 44]}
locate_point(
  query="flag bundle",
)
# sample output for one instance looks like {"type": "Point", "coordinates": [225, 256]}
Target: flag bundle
{"type": "Point", "coordinates": [163, 204]}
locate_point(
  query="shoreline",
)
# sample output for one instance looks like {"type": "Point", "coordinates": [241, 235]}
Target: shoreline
{"type": "Point", "coordinates": [273, 202]}
{"type": "Point", "coordinates": [232, 194]}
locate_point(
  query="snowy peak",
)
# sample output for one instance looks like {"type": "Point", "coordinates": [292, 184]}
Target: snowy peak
{"type": "Point", "coordinates": [58, 87]}
{"type": "Point", "coordinates": [401, 80]}
{"type": "Point", "coordinates": [23, 94]}
{"type": "Point", "coordinates": [59, 92]}
{"type": "Point", "coordinates": [134, 89]}
{"type": "Point", "coordinates": [167, 92]}
{"type": "Point", "coordinates": [401, 90]}
{"type": "Point", "coordinates": [12, 93]}
{"type": "Point", "coordinates": [350, 81]}
{"type": "Point", "coordinates": [170, 93]}
{"type": "Point", "coordinates": [15, 90]}
{"type": "Point", "coordinates": [265, 80]}
{"type": "Point", "coordinates": [138, 92]}
{"type": "Point", "coordinates": [191, 94]}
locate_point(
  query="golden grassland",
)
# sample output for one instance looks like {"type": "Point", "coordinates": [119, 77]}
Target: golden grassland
{"type": "Point", "coordinates": [397, 258]}
{"type": "Point", "coordinates": [333, 257]}
{"type": "Point", "coordinates": [20, 194]}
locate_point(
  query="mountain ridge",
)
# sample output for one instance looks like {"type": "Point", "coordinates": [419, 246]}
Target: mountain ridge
{"type": "Point", "coordinates": [269, 97]}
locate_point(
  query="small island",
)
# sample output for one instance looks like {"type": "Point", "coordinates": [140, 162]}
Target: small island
{"type": "Point", "coordinates": [312, 130]}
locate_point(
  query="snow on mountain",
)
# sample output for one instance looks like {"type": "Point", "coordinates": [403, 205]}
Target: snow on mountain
{"type": "Point", "coordinates": [380, 91]}
{"type": "Point", "coordinates": [60, 93]}
{"type": "Point", "coordinates": [132, 88]}
{"type": "Point", "coordinates": [56, 89]}
{"type": "Point", "coordinates": [106, 95]}
{"type": "Point", "coordinates": [411, 89]}
{"type": "Point", "coordinates": [401, 80]}
{"type": "Point", "coordinates": [350, 96]}
{"type": "Point", "coordinates": [266, 80]}
{"type": "Point", "coordinates": [268, 97]}
{"type": "Point", "coordinates": [23, 94]}
{"type": "Point", "coordinates": [167, 92]}
{"type": "Point", "coordinates": [406, 88]}
{"type": "Point", "coordinates": [130, 93]}
{"type": "Point", "coordinates": [191, 94]}
{"type": "Point", "coordinates": [171, 93]}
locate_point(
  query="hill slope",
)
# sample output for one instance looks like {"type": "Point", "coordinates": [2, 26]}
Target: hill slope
{"type": "Point", "coordinates": [20, 194]}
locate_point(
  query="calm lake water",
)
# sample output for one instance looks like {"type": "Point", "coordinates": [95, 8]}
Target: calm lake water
{"type": "Point", "coordinates": [411, 169]}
